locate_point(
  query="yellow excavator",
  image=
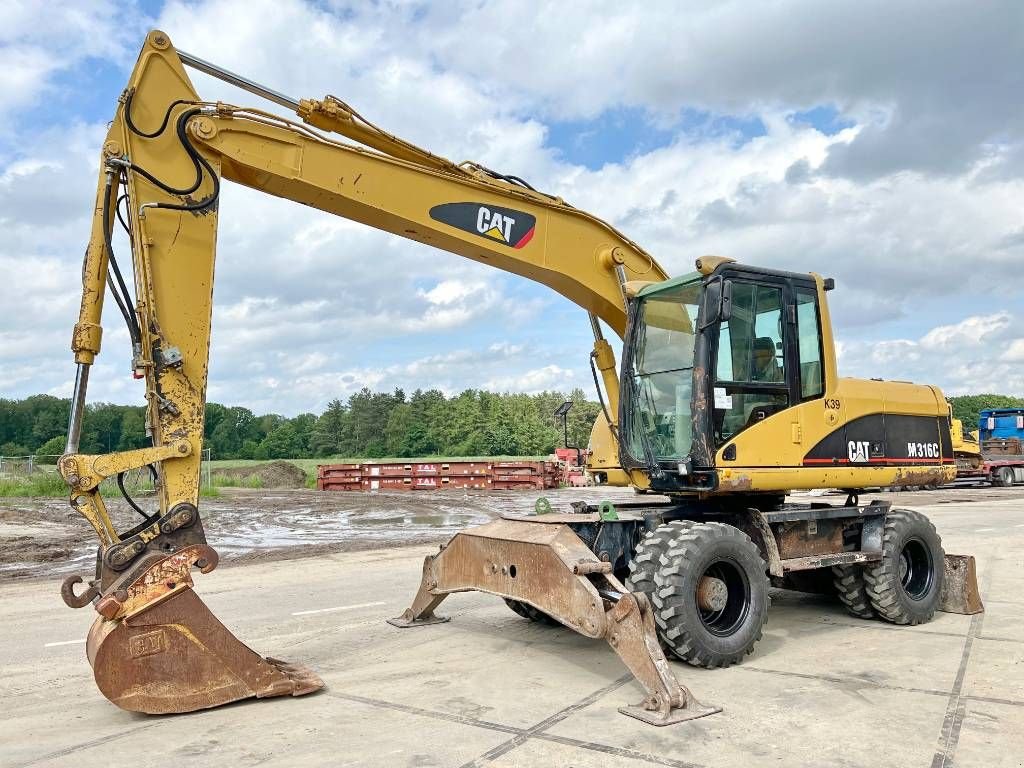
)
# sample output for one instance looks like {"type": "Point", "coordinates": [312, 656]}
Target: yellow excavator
{"type": "Point", "coordinates": [727, 398]}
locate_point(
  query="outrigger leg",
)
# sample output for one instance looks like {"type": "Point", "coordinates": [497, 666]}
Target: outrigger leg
{"type": "Point", "coordinates": [548, 566]}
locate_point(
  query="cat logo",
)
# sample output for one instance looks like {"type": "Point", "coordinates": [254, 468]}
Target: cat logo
{"type": "Point", "coordinates": [503, 225]}
{"type": "Point", "coordinates": [494, 224]}
{"type": "Point", "coordinates": [857, 450]}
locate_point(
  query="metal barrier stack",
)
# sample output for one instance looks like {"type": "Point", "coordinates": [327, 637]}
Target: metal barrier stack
{"type": "Point", "coordinates": [427, 476]}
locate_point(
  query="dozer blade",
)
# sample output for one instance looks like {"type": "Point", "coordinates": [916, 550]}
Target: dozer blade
{"type": "Point", "coordinates": [160, 650]}
{"type": "Point", "coordinates": [960, 592]}
{"type": "Point", "coordinates": [544, 563]}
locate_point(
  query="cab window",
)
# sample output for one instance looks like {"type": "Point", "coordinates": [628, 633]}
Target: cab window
{"type": "Point", "coordinates": [750, 369]}
{"type": "Point", "coordinates": [812, 383]}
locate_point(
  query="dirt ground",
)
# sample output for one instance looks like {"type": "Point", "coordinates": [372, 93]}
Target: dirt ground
{"type": "Point", "coordinates": [42, 538]}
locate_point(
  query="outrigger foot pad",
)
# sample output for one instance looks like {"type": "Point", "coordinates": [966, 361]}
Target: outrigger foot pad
{"type": "Point", "coordinates": [652, 717]}
{"type": "Point", "coordinates": [406, 620]}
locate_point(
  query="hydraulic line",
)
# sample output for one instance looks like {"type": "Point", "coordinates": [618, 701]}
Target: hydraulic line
{"type": "Point", "coordinates": [129, 499]}
{"type": "Point", "coordinates": [167, 116]}
{"type": "Point", "coordinates": [124, 301]}
{"type": "Point", "coordinates": [198, 161]}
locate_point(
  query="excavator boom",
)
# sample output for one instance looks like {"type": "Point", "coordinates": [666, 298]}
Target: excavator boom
{"type": "Point", "coordinates": [154, 645]}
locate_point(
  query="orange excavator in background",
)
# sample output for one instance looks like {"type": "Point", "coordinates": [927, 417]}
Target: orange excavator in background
{"type": "Point", "coordinates": [728, 397]}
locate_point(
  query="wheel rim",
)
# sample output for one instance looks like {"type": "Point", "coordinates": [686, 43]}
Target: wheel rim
{"type": "Point", "coordinates": [916, 569]}
{"type": "Point", "coordinates": [731, 616]}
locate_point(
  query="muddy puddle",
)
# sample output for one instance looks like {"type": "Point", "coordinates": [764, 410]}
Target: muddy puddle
{"type": "Point", "coordinates": [45, 537]}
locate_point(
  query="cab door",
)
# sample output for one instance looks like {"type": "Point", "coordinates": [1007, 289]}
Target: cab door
{"type": "Point", "coordinates": [752, 359]}
{"type": "Point", "coordinates": [767, 360]}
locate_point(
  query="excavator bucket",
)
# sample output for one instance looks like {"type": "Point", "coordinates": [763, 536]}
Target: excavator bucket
{"type": "Point", "coordinates": [543, 563]}
{"type": "Point", "coordinates": [960, 586]}
{"type": "Point", "coordinates": [156, 648]}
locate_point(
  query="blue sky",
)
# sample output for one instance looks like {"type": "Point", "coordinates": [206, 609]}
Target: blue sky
{"type": "Point", "coordinates": [832, 142]}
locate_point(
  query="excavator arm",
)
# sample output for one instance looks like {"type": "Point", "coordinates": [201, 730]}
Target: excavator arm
{"type": "Point", "coordinates": [154, 646]}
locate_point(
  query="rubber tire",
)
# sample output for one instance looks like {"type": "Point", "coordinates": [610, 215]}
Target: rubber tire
{"type": "Point", "coordinates": [647, 558]}
{"type": "Point", "coordinates": [1004, 478]}
{"type": "Point", "coordinates": [849, 581]}
{"type": "Point", "coordinates": [882, 579]}
{"type": "Point", "coordinates": [675, 607]}
{"type": "Point", "coordinates": [527, 611]}
{"type": "Point", "coordinates": [852, 590]}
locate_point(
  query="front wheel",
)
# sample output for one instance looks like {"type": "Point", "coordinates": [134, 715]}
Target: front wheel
{"type": "Point", "coordinates": [711, 595]}
{"type": "Point", "coordinates": [904, 586]}
{"type": "Point", "coordinates": [527, 611]}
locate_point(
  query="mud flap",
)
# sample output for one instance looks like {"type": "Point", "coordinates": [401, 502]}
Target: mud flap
{"type": "Point", "coordinates": [960, 592]}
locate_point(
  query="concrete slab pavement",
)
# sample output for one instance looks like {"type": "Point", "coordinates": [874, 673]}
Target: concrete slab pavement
{"type": "Point", "coordinates": [491, 689]}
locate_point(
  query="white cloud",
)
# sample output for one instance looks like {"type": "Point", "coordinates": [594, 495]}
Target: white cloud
{"type": "Point", "coordinates": [971, 331]}
{"type": "Point", "coordinates": [39, 40]}
{"type": "Point", "coordinates": [980, 353]}
{"type": "Point", "coordinates": [309, 307]}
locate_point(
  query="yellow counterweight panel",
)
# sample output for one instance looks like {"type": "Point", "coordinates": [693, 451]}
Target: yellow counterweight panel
{"type": "Point", "coordinates": [770, 454]}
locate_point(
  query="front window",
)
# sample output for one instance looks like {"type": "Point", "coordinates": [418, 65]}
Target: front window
{"type": "Point", "coordinates": [661, 374]}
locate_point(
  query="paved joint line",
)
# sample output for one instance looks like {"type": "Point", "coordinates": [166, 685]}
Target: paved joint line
{"type": "Point", "coordinates": [881, 686]}
{"type": "Point", "coordinates": [879, 626]}
{"type": "Point", "coordinates": [521, 738]}
{"type": "Point", "coordinates": [104, 740]}
{"type": "Point", "coordinates": [993, 700]}
{"type": "Point", "coordinates": [843, 680]}
{"type": "Point", "coordinates": [617, 751]}
{"type": "Point", "coordinates": [949, 735]}
{"type": "Point", "coordinates": [524, 734]}
{"type": "Point", "coordinates": [583, 703]}
{"type": "Point", "coordinates": [450, 717]}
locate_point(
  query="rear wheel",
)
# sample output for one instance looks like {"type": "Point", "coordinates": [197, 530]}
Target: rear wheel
{"type": "Point", "coordinates": [711, 599]}
{"type": "Point", "coordinates": [849, 580]}
{"type": "Point", "coordinates": [1004, 477]}
{"type": "Point", "coordinates": [527, 611]}
{"type": "Point", "coordinates": [904, 586]}
{"type": "Point", "coordinates": [852, 591]}
{"type": "Point", "coordinates": [647, 559]}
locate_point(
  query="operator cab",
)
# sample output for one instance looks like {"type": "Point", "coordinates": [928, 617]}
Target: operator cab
{"type": "Point", "coordinates": [709, 355]}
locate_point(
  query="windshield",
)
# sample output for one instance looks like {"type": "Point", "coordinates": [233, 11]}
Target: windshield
{"type": "Point", "coordinates": [661, 378]}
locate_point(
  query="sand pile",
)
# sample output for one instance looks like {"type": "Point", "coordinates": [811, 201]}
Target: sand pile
{"type": "Point", "coordinates": [274, 474]}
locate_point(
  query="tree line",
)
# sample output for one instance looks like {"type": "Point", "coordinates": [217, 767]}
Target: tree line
{"type": "Point", "coordinates": [366, 425]}
{"type": "Point", "coordinates": [967, 408]}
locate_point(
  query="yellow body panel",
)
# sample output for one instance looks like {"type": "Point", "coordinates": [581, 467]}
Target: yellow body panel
{"type": "Point", "coordinates": [770, 454]}
{"type": "Point", "coordinates": [603, 464]}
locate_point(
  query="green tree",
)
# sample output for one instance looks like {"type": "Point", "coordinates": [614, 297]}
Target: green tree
{"type": "Point", "coordinates": [51, 450]}
{"type": "Point", "coordinates": [968, 407]}
{"type": "Point", "coordinates": [133, 430]}
{"type": "Point", "coordinates": [283, 442]}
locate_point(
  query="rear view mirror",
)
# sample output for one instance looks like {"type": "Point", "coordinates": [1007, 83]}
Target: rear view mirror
{"type": "Point", "coordinates": [717, 301]}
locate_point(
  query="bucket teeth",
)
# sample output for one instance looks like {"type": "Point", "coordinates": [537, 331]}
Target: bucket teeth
{"type": "Point", "coordinates": [303, 680]}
